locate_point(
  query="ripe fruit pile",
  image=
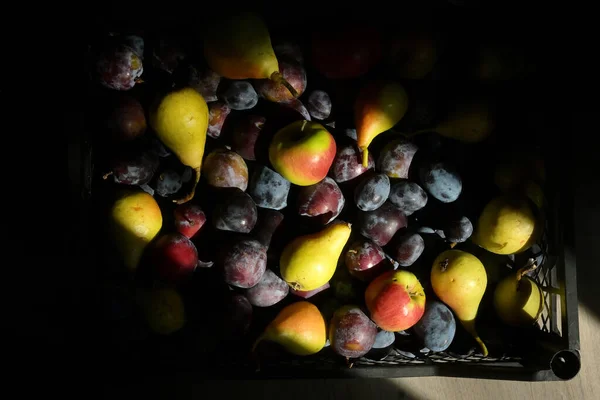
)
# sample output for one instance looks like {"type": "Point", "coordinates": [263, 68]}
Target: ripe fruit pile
{"type": "Point", "coordinates": [347, 200]}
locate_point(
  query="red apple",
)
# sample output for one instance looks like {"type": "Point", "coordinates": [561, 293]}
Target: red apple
{"type": "Point", "coordinates": [189, 218]}
{"type": "Point", "coordinates": [323, 200]}
{"type": "Point", "coordinates": [396, 300]}
{"type": "Point", "coordinates": [302, 152]}
{"type": "Point", "coordinates": [175, 257]}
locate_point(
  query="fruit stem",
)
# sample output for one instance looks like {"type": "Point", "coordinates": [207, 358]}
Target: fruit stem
{"type": "Point", "coordinates": [192, 191]}
{"type": "Point", "coordinates": [365, 154]}
{"type": "Point", "coordinates": [106, 175]}
{"type": "Point", "coordinates": [452, 245]}
{"type": "Point", "coordinates": [530, 266]}
{"type": "Point", "coordinates": [278, 78]}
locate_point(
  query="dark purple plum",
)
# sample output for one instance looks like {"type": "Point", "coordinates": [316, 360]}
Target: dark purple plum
{"type": "Point", "coordinates": [441, 181]}
{"type": "Point", "coordinates": [458, 230]}
{"type": "Point", "coordinates": [270, 290]}
{"type": "Point", "coordinates": [168, 182]}
{"type": "Point", "coordinates": [237, 317]}
{"type": "Point", "coordinates": [395, 158]}
{"type": "Point", "coordinates": [319, 104]}
{"type": "Point", "coordinates": [245, 134]}
{"type": "Point", "coordinates": [126, 120]}
{"type": "Point", "coordinates": [168, 54]}
{"type": "Point", "coordinates": [364, 259]}
{"type": "Point", "coordinates": [136, 43]}
{"type": "Point", "coordinates": [266, 225]}
{"type": "Point", "coordinates": [289, 51]}
{"type": "Point", "coordinates": [119, 67]}
{"type": "Point", "coordinates": [372, 192]}
{"type": "Point", "coordinates": [408, 196]}
{"type": "Point", "coordinates": [382, 224]}
{"type": "Point", "coordinates": [205, 81]}
{"type": "Point", "coordinates": [351, 332]}
{"type": "Point", "coordinates": [298, 106]}
{"type": "Point", "coordinates": [293, 73]}
{"type": "Point", "coordinates": [218, 113]}
{"type": "Point", "coordinates": [225, 168]}
{"type": "Point", "coordinates": [244, 263]}
{"type": "Point", "coordinates": [409, 248]}
{"type": "Point", "coordinates": [134, 168]}
{"type": "Point", "coordinates": [323, 200]}
{"type": "Point", "coordinates": [347, 164]}
{"type": "Point", "coordinates": [238, 95]}
{"type": "Point", "coordinates": [269, 189]}
{"type": "Point", "coordinates": [437, 326]}
{"type": "Point", "coordinates": [235, 211]}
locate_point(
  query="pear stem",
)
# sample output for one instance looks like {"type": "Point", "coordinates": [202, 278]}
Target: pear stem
{"type": "Point", "coordinates": [530, 266]}
{"type": "Point", "coordinates": [192, 191]}
{"type": "Point", "coordinates": [365, 159]}
{"type": "Point", "coordinates": [277, 77]}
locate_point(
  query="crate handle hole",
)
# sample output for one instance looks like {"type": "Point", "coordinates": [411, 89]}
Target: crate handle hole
{"type": "Point", "coordinates": [566, 364]}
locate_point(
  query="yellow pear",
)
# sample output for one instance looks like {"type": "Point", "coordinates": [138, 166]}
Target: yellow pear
{"type": "Point", "coordinates": [299, 328]}
{"type": "Point", "coordinates": [459, 279]}
{"type": "Point", "coordinates": [135, 219]}
{"type": "Point", "coordinates": [180, 120]}
{"type": "Point", "coordinates": [163, 309]}
{"type": "Point", "coordinates": [308, 262]}
{"type": "Point", "coordinates": [518, 299]}
{"type": "Point", "coordinates": [470, 122]}
{"type": "Point", "coordinates": [507, 225]}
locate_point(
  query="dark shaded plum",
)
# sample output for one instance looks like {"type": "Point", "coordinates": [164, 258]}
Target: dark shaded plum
{"type": "Point", "coordinates": [408, 196]}
{"type": "Point", "coordinates": [409, 248]}
{"type": "Point", "coordinates": [441, 181]}
{"type": "Point", "coordinates": [238, 95]}
{"type": "Point", "coordinates": [351, 332]}
{"type": "Point", "coordinates": [119, 67]}
{"type": "Point", "coordinates": [382, 224]}
{"type": "Point", "coordinates": [169, 182]}
{"type": "Point", "coordinates": [205, 81]}
{"type": "Point", "coordinates": [237, 317]}
{"type": "Point", "coordinates": [293, 73]}
{"type": "Point", "coordinates": [270, 290]}
{"type": "Point", "coordinates": [225, 168]}
{"type": "Point", "coordinates": [323, 200]}
{"type": "Point", "coordinates": [319, 104]}
{"type": "Point", "coordinates": [218, 113]}
{"type": "Point", "coordinates": [235, 211]}
{"type": "Point", "coordinates": [133, 168]}
{"type": "Point", "coordinates": [266, 225]}
{"type": "Point", "coordinates": [126, 120]}
{"type": "Point", "coordinates": [372, 192]}
{"type": "Point", "coordinates": [437, 326]}
{"type": "Point", "coordinates": [269, 189]}
{"type": "Point", "coordinates": [459, 230]}
{"type": "Point", "coordinates": [289, 51]}
{"type": "Point", "coordinates": [347, 164]}
{"type": "Point", "coordinates": [245, 134]}
{"type": "Point", "coordinates": [168, 54]}
{"type": "Point", "coordinates": [395, 158]}
{"type": "Point", "coordinates": [244, 263]}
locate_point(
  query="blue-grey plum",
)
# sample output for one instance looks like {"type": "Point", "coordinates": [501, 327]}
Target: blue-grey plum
{"type": "Point", "coordinates": [408, 196]}
{"type": "Point", "coordinates": [459, 230]}
{"type": "Point", "coordinates": [437, 326]}
{"type": "Point", "coordinates": [441, 181]}
{"type": "Point", "coordinates": [372, 192]}
{"type": "Point", "coordinates": [269, 189]}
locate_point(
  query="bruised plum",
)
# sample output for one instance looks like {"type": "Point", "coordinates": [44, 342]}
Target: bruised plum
{"type": "Point", "coordinates": [270, 290]}
{"type": "Point", "coordinates": [244, 263]}
{"type": "Point", "coordinates": [351, 333]}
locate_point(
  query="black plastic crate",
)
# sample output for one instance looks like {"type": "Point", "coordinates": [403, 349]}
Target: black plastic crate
{"type": "Point", "coordinates": [548, 352]}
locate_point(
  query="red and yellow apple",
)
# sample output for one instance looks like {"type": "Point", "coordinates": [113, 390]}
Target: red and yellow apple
{"type": "Point", "coordinates": [302, 152]}
{"type": "Point", "coordinates": [396, 300]}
